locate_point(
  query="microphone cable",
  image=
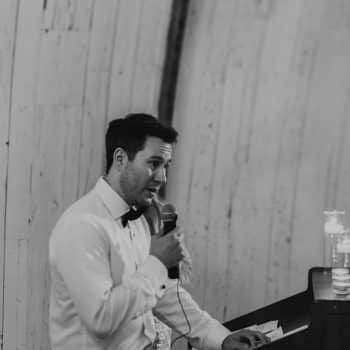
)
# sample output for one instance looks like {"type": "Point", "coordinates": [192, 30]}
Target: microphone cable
{"type": "Point", "coordinates": [182, 335]}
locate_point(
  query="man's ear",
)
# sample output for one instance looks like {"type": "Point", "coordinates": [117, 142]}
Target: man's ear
{"type": "Point", "coordinates": [120, 158]}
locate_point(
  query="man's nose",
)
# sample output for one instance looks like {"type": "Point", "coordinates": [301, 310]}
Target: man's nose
{"type": "Point", "coordinates": [160, 175]}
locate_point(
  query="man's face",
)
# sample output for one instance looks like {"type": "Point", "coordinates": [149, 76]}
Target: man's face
{"type": "Point", "coordinates": [142, 177]}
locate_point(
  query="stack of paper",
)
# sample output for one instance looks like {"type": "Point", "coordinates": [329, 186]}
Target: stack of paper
{"type": "Point", "coordinates": [271, 330]}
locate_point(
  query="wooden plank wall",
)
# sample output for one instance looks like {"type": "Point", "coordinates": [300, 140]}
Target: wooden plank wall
{"type": "Point", "coordinates": [67, 67]}
{"type": "Point", "coordinates": [262, 108]}
{"type": "Point", "coordinates": [7, 37]}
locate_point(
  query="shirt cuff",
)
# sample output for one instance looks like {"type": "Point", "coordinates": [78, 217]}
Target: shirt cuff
{"type": "Point", "coordinates": [156, 272]}
{"type": "Point", "coordinates": [215, 337]}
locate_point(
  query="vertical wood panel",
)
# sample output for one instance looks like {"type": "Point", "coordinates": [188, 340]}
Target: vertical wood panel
{"type": "Point", "coordinates": [8, 12]}
{"type": "Point", "coordinates": [149, 56]}
{"type": "Point", "coordinates": [63, 92]}
{"type": "Point", "coordinates": [43, 156]}
{"type": "Point", "coordinates": [305, 37]}
{"type": "Point", "coordinates": [54, 181]}
{"type": "Point", "coordinates": [261, 107]}
{"type": "Point", "coordinates": [42, 134]}
{"type": "Point", "coordinates": [95, 103]}
{"type": "Point", "coordinates": [19, 208]}
{"type": "Point", "coordinates": [123, 57]}
{"type": "Point", "coordinates": [322, 158]}
{"type": "Point", "coordinates": [181, 183]}
{"type": "Point", "coordinates": [138, 56]}
{"type": "Point", "coordinates": [206, 166]}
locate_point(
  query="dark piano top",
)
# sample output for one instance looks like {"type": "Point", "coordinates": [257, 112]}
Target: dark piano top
{"type": "Point", "coordinates": [322, 316]}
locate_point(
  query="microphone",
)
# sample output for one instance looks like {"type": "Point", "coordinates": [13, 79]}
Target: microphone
{"type": "Point", "coordinates": [168, 215]}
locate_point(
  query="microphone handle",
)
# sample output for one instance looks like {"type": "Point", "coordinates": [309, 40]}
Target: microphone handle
{"type": "Point", "coordinates": [169, 225]}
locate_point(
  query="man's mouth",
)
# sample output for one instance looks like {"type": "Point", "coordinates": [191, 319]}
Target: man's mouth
{"type": "Point", "coordinates": [152, 190]}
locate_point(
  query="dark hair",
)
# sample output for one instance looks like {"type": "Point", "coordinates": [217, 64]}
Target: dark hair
{"type": "Point", "coordinates": [130, 134]}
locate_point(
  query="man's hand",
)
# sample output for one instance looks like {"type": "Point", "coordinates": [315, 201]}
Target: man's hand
{"type": "Point", "coordinates": [244, 339]}
{"type": "Point", "coordinates": [169, 249]}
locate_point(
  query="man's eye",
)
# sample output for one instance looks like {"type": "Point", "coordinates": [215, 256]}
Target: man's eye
{"type": "Point", "coordinates": [154, 164]}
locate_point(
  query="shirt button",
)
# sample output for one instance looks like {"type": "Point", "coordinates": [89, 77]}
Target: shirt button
{"type": "Point", "coordinates": [162, 286]}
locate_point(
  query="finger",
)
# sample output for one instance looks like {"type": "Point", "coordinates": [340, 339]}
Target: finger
{"type": "Point", "coordinates": [248, 339]}
{"type": "Point", "coordinates": [262, 338]}
{"type": "Point", "coordinates": [253, 338]}
{"type": "Point", "coordinates": [186, 250]}
{"type": "Point", "coordinates": [172, 237]}
{"type": "Point", "coordinates": [181, 252]}
{"type": "Point", "coordinates": [179, 233]}
{"type": "Point", "coordinates": [173, 234]}
{"type": "Point", "coordinates": [179, 236]}
{"type": "Point", "coordinates": [234, 344]}
{"type": "Point", "coordinates": [242, 346]}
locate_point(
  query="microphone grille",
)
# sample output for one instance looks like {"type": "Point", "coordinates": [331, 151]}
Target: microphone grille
{"type": "Point", "coordinates": [168, 211]}
{"type": "Point", "coordinates": [168, 208]}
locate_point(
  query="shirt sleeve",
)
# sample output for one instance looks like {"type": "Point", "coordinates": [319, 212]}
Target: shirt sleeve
{"type": "Point", "coordinates": [80, 252]}
{"type": "Point", "coordinates": [202, 331]}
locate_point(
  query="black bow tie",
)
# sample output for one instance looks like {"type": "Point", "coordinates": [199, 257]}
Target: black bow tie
{"type": "Point", "coordinates": [131, 215]}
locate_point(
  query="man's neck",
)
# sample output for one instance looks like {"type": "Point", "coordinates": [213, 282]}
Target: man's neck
{"type": "Point", "coordinates": [114, 184]}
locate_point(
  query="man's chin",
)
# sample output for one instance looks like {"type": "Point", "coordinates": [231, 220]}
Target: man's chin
{"type": "Point", "coordinates": [146, 199]}
{"type": "Point", "coordinates": [145, 202]}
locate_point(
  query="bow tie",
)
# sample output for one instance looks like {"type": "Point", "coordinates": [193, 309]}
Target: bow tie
{"type": "Point", "coordinates": [131, 215]}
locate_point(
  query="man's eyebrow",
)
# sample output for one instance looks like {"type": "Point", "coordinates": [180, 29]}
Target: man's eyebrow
{"type": "Point", "coordinates": [161, 159]}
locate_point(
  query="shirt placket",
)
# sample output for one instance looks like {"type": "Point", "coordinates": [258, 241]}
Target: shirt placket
{"type": "Point", "coordinates": [137, 260]}
{"type": "Point", "coordinates": [133, 247]}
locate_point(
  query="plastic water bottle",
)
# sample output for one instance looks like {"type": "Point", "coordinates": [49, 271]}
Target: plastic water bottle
{"type": "Point", "coordinates": [334, 230]}
{"type": "Point", "coordinates": [343, 248]}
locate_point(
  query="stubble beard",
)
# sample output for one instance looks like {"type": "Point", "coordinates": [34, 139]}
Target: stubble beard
{"type": "Point", "coordinates": [133, 198]}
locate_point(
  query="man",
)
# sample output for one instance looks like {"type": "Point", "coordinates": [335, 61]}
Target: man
{"type": "Point", "coordinates": [109, 278]}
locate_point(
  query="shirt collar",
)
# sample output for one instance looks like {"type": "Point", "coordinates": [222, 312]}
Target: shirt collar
{"type": "Point", "coordinates": [112, 200]}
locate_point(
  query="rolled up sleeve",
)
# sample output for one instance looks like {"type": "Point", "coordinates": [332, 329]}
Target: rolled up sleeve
{"type": "Point", "coordinates": [204, 332]}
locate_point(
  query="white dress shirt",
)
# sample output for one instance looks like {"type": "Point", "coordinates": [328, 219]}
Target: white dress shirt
{"type": "Point", "coordinates": [105, 285]}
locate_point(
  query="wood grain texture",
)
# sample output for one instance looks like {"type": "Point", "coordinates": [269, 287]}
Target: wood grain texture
{"type": "Point", "coordinates": [261, 108]}
{"type": "Point", "coordinates": [95, 96]}
{"type": "Point", "coordinates": [138, 56]}
{"type": "Point", "coordinates": [62, 90]}
{"type": "Point", "coordinates": [8, 20]}
{"type": "Point", "coordinates": [19, 208]}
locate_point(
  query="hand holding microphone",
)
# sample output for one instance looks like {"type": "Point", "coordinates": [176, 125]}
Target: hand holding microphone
{"type": "Point", "coordinates": [168, 248]}
{"type": "Point", "coordinates": [168, 216]}
{"type": "Point", "coordinates": [183, 268]}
